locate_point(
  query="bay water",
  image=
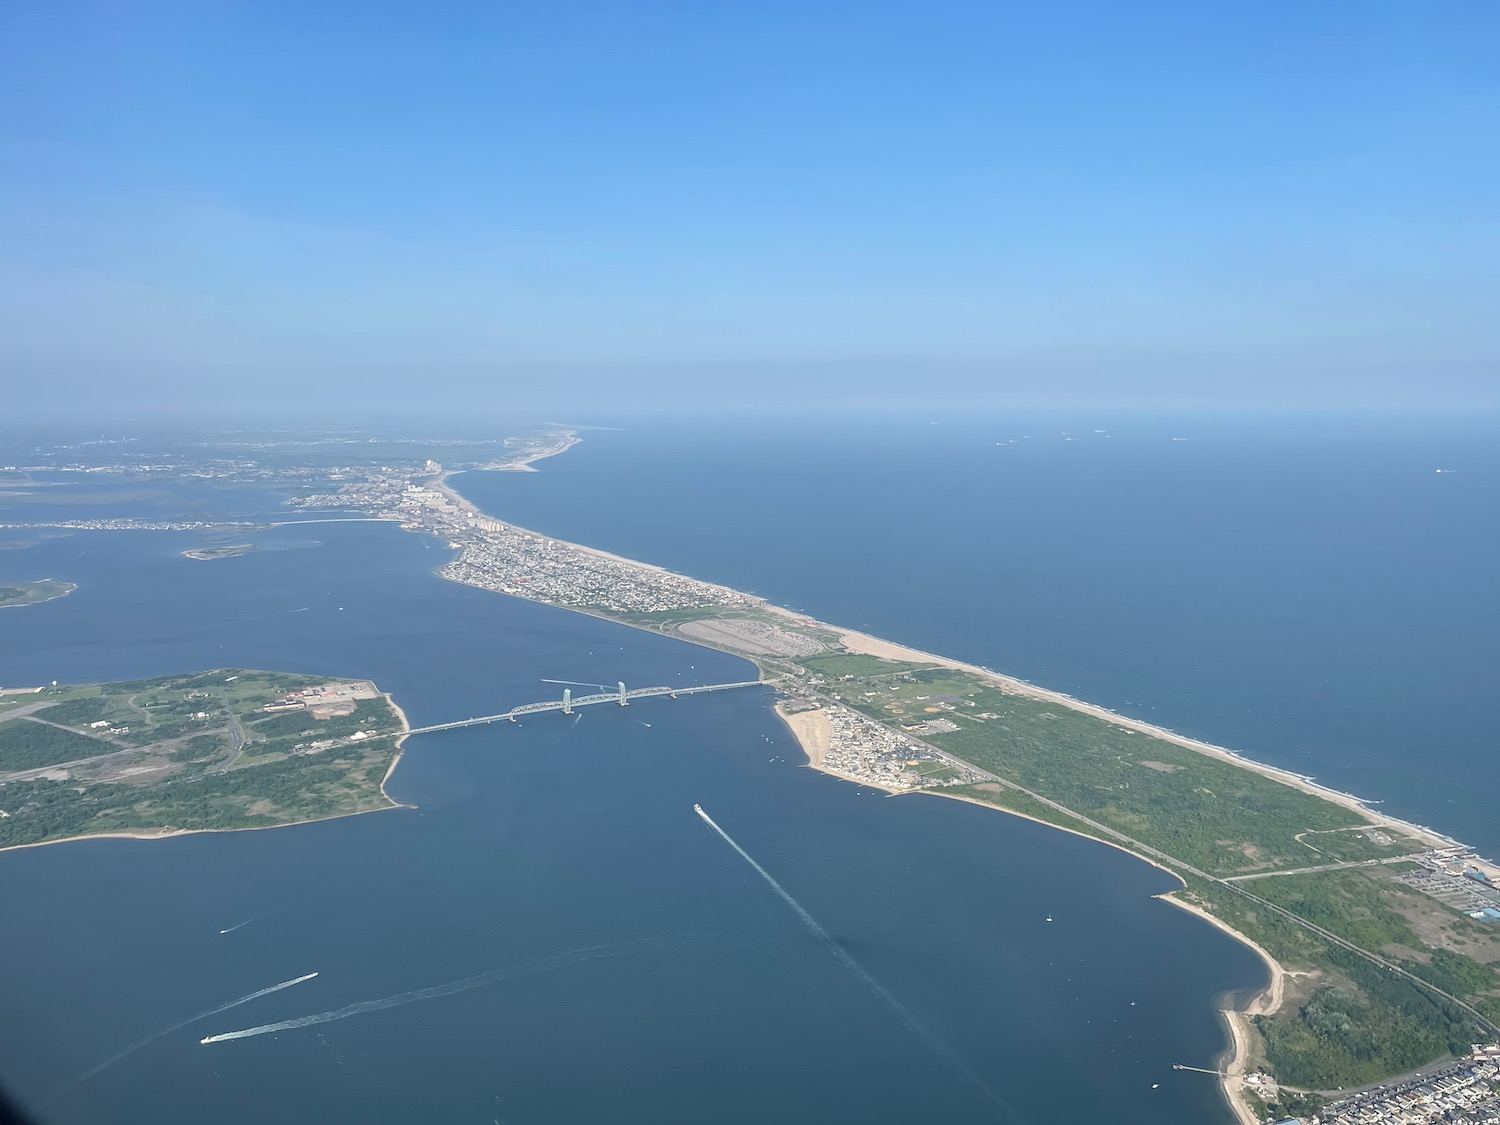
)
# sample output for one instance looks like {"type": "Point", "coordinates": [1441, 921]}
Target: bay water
{"type": "Point", "coordinates": [551, 934]}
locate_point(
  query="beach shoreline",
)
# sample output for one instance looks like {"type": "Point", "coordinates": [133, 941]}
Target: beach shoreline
{"type": "Point", "coordinates": [523, 462]}
{"type": "Point", "coordinates": [1267, 1001]}
{"type": "Point", "coordinates": [812, 730]}
{"type": "Point", "coordinates": [170, 833]}
{"type": "Point", "coordinates": [863, 643]}
{"type": "Point", "coordinates": [397, 756]}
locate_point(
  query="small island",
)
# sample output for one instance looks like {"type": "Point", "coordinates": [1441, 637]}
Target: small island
{"type": "Point", "coordinates": [215, 750]}
{"type": "Point", "coordinates": [33, 593]}
{"type": "Point", "coordinates": [210, 553]}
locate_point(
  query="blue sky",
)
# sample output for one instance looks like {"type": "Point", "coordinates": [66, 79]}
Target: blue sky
{"type": "Point", "coordinates": [441, 204]}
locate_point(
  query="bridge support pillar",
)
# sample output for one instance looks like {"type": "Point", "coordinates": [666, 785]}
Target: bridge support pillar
{"type": "Point", "coordinates": [567, 701]}
{"type": "Point", "coordinates": [624, 699]}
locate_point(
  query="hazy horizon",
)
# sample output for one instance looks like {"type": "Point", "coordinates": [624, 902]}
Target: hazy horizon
{"type": "Point", "coordinates": [584, 206]}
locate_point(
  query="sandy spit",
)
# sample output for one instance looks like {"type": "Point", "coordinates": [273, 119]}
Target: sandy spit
{"type": "Point", "coordinates": [813, 731]}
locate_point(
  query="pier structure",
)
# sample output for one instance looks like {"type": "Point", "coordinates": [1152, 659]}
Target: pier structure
{"type": "Point", "coordinates": [568, 705]}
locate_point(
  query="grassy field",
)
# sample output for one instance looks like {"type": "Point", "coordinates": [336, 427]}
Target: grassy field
{"type": "Point", "coordinates": [201, 752]}
{"type": "Point", "coordinates": [1209, 813]}
{"type": "Point", "coordinates": [838, 665]}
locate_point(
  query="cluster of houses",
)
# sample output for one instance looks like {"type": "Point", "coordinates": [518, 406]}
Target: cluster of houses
{"type": "Point", "coordinates": [1464, 1092]}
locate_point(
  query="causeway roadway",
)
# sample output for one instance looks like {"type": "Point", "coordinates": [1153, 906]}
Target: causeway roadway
{"type": "Point", "coordinates": [568, 703]}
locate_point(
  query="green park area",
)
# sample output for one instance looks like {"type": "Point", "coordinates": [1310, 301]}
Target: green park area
{"type": "Point", "coordinates": [213, 750]}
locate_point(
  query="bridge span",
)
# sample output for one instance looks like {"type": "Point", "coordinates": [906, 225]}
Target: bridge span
{"type": "Point", "coordinates": [567, 704]}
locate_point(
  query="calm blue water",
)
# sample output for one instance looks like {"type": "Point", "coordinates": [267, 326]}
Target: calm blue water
{"type": "Point", "coordinates": [640, 970]}
{"type": "Point", "coordinates": [1306, 589]}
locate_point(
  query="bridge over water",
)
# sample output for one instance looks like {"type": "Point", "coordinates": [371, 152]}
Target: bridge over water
{"type": "Point", "coordinates": [568, 703]}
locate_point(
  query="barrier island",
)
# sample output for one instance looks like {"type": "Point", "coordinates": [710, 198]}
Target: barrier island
{"type": "Point", "coordinates": [1377, 934]}
{"type": "Point", "coordinates": [1381, 938]}
{"type": "Point", "coordinates": [224, 749]}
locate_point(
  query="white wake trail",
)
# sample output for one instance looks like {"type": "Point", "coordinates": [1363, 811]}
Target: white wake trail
{"type": "Point", "coordinates": [237, 925]}
{"type": "Point", "coordinates": [494, 976]}
{"type": "Point", "coordinates": [155, 1035]}
{"type": "Point", "coordinates": [858, 971]}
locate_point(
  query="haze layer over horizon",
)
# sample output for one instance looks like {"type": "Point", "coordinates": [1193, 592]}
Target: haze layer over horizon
{"type": "Point", "coordinates": [241, 205]}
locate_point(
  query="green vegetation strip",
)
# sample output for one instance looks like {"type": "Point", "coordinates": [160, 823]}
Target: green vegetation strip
{"type": "Point", "coordinates": [1212, 814]}
{"type": "Point", "coordinates": [29, 745]}
{"type": "Point", "coordinates": [1360, 1024]}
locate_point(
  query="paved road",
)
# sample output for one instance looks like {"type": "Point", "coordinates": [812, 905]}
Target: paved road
{"type": "Point", "coordinates": [1324, 867]}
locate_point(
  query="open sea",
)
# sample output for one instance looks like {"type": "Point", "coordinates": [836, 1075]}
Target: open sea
{"type": "Point", "coordinates": [552, 935]}
{"type": "Point", "coordinates": [1308, 589]}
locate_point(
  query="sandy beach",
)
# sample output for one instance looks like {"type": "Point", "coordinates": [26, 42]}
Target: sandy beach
{"type": "Point", "coordinates": [813, 731]}
{"type": "Point", "coordinates": [1269, 999]}
{"type": "Point", "coordinates": [1266, 1002]}
{"type": "Point", "coordinates": [523, 463]}
{"type": "Point", "coordinates": [1234, 1068]}
{"type": "Point", "coordinates": [400, 749]}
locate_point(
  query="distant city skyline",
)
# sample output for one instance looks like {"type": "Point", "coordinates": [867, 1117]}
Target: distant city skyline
{"type": "Point", "coordinates": [216, 207]}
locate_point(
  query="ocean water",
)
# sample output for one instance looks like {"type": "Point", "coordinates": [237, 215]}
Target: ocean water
{"type": "Point", "coordinates": [1307, 589]}
{"type": "Point", "coordinates": [553, 934]}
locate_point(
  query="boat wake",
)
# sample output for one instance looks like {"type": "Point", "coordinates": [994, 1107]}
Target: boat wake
{"type": "Point", "coordinates": [155, 1035]}
{"type": "Point", "coordinates": [494, 976]}
{"type": "Point", "coordinates": [858, 971]}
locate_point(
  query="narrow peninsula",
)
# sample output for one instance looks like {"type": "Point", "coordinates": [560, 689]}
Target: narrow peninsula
{"type": "Point", "coordinates": [1380, 937]}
